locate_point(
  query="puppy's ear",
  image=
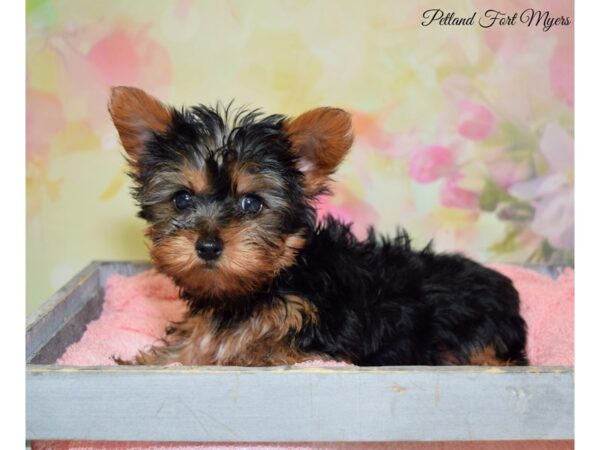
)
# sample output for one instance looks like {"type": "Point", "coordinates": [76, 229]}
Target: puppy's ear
{"type": "Point", "coordinates": [320, 139]}
{"type": "Point", "coordinates": [137, 116]}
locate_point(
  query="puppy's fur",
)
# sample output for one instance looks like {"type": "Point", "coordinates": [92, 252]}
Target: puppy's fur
{"type": "Point", "coordinates": [230, 201]}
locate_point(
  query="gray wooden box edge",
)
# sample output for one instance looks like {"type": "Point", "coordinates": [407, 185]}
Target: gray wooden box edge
{"type": "Point", "coordinates": [233, 404]}
{"type": "Point", "coordinates": [61, 320]}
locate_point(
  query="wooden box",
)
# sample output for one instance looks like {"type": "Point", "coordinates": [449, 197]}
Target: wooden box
{"type": "Point", "coordinates": [234, 404]}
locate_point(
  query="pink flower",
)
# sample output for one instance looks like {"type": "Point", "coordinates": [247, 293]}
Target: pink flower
{"type": "Point", "coordinates": [370, 132]}
{"type": "Point", "coordinates": [562, 72]}
{"type": "Point", "coordinates": [430, 163]}
{"type": "Point", "coordinates": [120, 56]}
{"type": "Point", "coordinates": [453, 196]}
{"type": "Point", "coordinates": [128, 57]}
{"type": "Point", "coordinates": [476, 122]}
{"type": "Point", "coordinates": [117, 59]}
{"type": "Point", "coordinates": [45, 119]}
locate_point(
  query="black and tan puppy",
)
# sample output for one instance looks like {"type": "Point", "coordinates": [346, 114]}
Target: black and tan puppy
{"type": "Point", "coordinates": [229, 198]}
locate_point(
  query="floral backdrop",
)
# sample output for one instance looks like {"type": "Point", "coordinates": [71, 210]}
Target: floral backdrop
{"type": "Point", "coordinates": [464, 134]}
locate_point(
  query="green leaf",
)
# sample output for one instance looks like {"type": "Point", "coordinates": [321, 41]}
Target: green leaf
{"type": "Point", "coordinates": [33, 5]}
{"type": "Point", "coordinates": [507, 245]}
{"type": "Point", "coordinates": [491, 195]}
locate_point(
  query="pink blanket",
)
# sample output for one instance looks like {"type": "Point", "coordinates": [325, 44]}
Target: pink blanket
{"type": "Point", "coordinates": [137, 309]}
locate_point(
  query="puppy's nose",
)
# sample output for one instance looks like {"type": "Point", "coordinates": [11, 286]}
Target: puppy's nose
{"type": "Point", "coordinates": [209, 249]}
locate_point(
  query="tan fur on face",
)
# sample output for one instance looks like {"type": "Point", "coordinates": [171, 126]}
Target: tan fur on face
{"type": "Point", "coordinates": [195, 179]}
{"type": "Point", "coordinates": [175, 255]}
{"type": "Point", "coordinates": [252, 262]}
{"type": "Point", "coordinates": [293, 244]}
{"type": "Point", "coordinates": [254, 251]}
{"type": "Point", "coordinates": [244, 266]}
{"type": "Point", "coordinates": [247, 183]}
{"type": "Point", "coordinates": [266, 338]}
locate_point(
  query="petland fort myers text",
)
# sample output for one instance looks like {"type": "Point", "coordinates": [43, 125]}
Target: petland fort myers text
{"type": "Point", "coordinates": [528, 17]}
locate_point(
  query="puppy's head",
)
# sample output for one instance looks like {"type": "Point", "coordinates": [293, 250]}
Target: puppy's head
{"type": "Point", "coordinates": [227, 194]}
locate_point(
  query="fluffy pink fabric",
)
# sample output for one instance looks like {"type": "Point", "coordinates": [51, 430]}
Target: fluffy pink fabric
{"type": "Point", "coordinates": [137, 309]}
{"type": "Point", "coordinates": [547, 307]}
{"type": "Point", "coordinates": [136, 312]}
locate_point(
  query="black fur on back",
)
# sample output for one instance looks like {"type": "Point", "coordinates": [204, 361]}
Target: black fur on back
{"type": "Point", "coordinates": [382, 303]}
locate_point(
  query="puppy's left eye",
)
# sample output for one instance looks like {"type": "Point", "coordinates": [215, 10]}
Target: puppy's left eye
{"type": "Point", "coordinates": [250, 204]}
{"type": "Point", "coordinates": [183, 200]}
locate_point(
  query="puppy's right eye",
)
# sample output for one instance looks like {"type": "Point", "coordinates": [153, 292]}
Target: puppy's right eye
{"type": "Point", "coordinates": [183, 200]}
{"type": "Point", "coordinates": [250, 204]}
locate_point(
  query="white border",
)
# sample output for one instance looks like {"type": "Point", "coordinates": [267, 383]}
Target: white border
{"type": "Point", "coordinates": [12, 260]}
{"type": "Point", "coordinates": [587, 166]}
{"type": "Point", "coordinates": [587, 189]}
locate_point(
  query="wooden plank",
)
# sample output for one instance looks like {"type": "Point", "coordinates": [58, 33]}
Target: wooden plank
{"type": "Point", "coordinates": [55, 318]}
{"type": "Point", "coordinates": [127, 268]}
{"type": "Point", "coordinates": [73, 328]}
{"type": "Point", "coordinates": [231, 404]}
{"type": "Point", "coordinates": [62, 319]}
{"type": "Point", "coordinates": [145, 403]}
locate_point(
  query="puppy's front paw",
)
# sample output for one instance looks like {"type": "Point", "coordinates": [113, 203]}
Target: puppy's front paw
{"type": "Point", "coordinates": [122, 362]}
{"type": "Point", "coordinates": [150, 358]}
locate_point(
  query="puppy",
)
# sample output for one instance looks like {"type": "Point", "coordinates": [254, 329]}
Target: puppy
{"type": "Point", "coordinates": [229, 196]}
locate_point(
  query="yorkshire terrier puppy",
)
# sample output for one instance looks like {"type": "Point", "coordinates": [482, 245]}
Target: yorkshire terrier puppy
{"type": "Point", "coordinates": [230, 201]}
